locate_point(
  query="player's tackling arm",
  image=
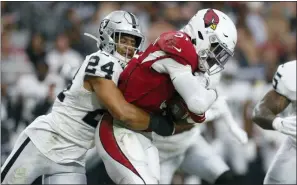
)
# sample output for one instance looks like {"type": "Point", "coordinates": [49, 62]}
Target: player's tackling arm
{"type": "Point", "coordinates": [101, 76]}
{"type": "Point", "coordinates": [129, 115]}
{"type": "Point", "coordinates": [266, 110]}
{"type": "Point", "coordinates": [114, 101]}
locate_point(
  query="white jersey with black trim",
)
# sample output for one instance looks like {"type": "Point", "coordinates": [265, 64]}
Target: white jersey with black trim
{"type": "Point", "coordinates": [79, 108]}
{"type": "Point", "coordinates": [76, 111]}
{"type": "Point", "coordinates": [284, 82]}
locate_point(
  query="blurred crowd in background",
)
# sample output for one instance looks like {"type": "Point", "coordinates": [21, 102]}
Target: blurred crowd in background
{"type": "Point", "coordinates": [42, 46]}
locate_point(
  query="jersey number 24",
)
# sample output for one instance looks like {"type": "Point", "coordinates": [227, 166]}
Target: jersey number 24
{"type": "Point", "coordinates": [91, 116]}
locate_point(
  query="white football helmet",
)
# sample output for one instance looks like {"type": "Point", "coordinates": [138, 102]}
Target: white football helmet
{"type": "Point", "coordinates": [214, 35]}
{"type": "Point", "coordinates": [115, 25]}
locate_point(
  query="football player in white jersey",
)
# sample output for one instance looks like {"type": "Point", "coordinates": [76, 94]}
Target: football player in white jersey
{"type": "Point", "coordinates": [268, 141]}
{"type": "Point", "coordinates": [231, 151]}
{"type": "Point", "coordinates": [55, 145]}
{"type": "Point", "coordinates": [266, 115]}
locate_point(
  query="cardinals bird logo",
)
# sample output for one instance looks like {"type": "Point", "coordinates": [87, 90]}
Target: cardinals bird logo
{"type": "Point", "coordinates": [211, 19]}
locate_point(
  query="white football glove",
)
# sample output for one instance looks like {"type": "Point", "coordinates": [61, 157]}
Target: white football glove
{"type": "Point", "coordinates": [285, 125]}
{"type": "Point", "coordinates": [202, 78]}
{"type": "Point", "coordinates": [214, 80]}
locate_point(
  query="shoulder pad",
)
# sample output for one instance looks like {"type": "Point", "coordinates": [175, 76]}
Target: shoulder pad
{"type": "Point", "coordinates": [284, 80]}
{"type": "Point", "coordinates": [178, 44]}
{"type": "Point", "coordinates": [103, 65]}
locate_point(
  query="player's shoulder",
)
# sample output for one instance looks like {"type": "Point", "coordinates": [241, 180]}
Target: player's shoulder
{"type": "Point", "coordinates": [287, 74]}
{"type": "Point", "coordinates": [102, 56]}
{"type": "Point", "coordinates": [178, 44]}
{"type": "Point", "coordinates": [289, 68]}
{"type": "Point", "coordinates": [284, 80]}
{"type": "Point", "coordinates": [102, 64]}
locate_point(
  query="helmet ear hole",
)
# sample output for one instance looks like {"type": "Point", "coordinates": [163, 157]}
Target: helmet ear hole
{"type": "Point", "coordinates": [200, 35]}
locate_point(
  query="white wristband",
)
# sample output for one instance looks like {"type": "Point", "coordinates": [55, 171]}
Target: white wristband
{"type": "Point", "coordinates": [277, 123]}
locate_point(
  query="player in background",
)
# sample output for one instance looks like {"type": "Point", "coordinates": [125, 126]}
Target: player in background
{"type": "Point", "coordinates": [191, 152]}
{"type": "Point", "coordinates": [55, 145]}
{"type": "Point", "coordinates": [222, 133]}
{"type": "Point", "coordinates": [266, 115]}
{"type": "Point", "coordinates": [152, 78]}
{"type": "Point", "coordinates": [267, 141]}
{"type": "Point", "coordinates": [233, 152]}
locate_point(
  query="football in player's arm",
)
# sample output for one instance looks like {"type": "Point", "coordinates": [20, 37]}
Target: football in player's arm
{"type": "Point", "coordinates": [180, 69]}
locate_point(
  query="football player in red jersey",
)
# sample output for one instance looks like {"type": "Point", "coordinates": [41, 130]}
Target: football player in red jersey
{"type": "Point", "coordinates": [165, 67]}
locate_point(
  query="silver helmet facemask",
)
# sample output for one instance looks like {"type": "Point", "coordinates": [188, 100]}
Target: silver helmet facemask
{"type": "Point", "coordinates": [213, 59]}
{"type": "Point", "coordinates": [115, 41]}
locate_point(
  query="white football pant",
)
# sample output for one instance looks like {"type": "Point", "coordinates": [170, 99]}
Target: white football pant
{"type": "Point", "coordinates": [129, 157]}
{"type": "Point", "coordinates": [283, 167]}
{"type": "Point", "coordinates": [26, 163]}
{"type": "Point", "coordinates": [199, 159]}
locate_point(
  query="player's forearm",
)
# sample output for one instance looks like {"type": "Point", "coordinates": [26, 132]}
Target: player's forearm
{"type": "Point", "coordinates": [113, 100]}
{"type": "Point", "coordinates": [263, 116]}
{"type": "Point", "coordinates": [127, 114]}
{"type": "Point", "coordinates": [131, 117]}
{"type": "Point", "coordinates": [267, 109]}
{"type": "Point", "coordinates": [193, 92]}
{"type": "Point", "coordinates": [136, 119]}
{"type": "Point", "coordinates": [198, 98]}
{"type": "Point", "coordinates": [200, 104]}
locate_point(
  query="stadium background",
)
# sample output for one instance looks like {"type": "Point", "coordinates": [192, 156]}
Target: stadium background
{"type": "Point", "coordinates": [42, 39]}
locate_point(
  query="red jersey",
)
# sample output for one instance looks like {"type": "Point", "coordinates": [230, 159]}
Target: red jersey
{"type": "Point", "coordinates": [147, 88]}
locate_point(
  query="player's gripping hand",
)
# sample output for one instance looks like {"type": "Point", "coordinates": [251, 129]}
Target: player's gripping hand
{"type": "Point", "coordinates": [285, 125]}
{"type": "Point", "coordinates": [205, 82]}
{"type": "Point", "coordinates": [180, 112]}
{"type": "Point", "coordinates": [203, 79]}
{"type": "Point", "coordinates": [179, 128]}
